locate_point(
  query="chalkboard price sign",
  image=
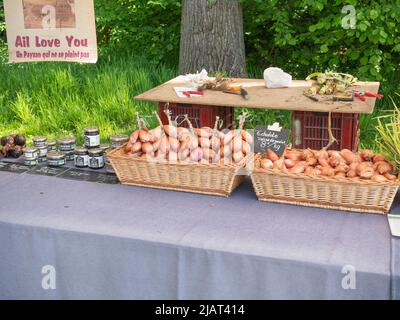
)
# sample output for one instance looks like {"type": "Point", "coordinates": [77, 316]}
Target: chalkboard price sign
{"type": "Point", "coordinates": [270, 138]}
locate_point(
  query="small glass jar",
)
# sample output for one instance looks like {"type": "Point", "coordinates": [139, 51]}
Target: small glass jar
{"type": "Point", "coordinates": [55, 159]}
{"type": "Point", "coordinates": [67, 144]}
{"type": "Point", "coordinates": [118, 140]}
{"type": "Point", "coordinates": [42, 159]}
{"type": "Point", "coordinates": [39, 142]}
{"type": "Point", "coordinates": [30, 162]}
{"type": "Point", "coordinates": [30, 152]}
{"type": "Point", "coordinates": [69, 155]}
{"type": "Point", "coordinates": [42, 151]}
{"type": "Point", "coordinates": [92, 137]}
{"type": "Point", "coordinates": [81, 157]}
{"type": "Point", "coordinates": [51, 146]}
{"type": "Point", "coordinates": [96, 158]}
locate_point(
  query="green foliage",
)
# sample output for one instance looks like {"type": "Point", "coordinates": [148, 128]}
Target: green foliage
{"type": "Point", "coordinates": [140, 27]}
{"type": "Point", "coordinates": [303, 36]}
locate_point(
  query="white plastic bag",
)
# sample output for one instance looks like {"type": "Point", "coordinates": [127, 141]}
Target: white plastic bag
{"type": "Point", "coordinates": [277, 78]}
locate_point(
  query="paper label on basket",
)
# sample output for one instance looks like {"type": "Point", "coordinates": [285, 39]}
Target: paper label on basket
{"type": "Point", "coordinates": [394, 222]}
{"type": "Point", "coordinates": [180, 92]}
{"type": "Point", "coordinates": [265, 138]}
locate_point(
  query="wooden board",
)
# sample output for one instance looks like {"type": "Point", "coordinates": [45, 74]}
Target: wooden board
{"type": "Point", "coordinates": [263, 98]}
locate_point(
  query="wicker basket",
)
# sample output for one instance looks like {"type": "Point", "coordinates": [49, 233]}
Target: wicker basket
{"type": "Point", "coordinates": [214, 179]}
{"type": "Point", "coordinates": [325, 192]}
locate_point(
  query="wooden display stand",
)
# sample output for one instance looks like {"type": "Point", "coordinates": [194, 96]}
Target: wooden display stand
{"type": "Point", "coordinates": [311, 116]}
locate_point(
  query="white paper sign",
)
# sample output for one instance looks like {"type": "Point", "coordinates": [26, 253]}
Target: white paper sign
{"type": "Point", "coordinates": [51, 30]}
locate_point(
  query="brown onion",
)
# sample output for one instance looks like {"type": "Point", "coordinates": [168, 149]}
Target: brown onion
{"type": "Point", "coordinates": [367, 155]}
{"type": "Point", "coordinates": [272, 155]}
{"type": "Point", "coordinates": [266, 164]}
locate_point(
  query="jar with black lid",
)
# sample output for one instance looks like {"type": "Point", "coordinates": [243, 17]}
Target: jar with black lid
{"type": "Point", "coordinates": [92, 137]}
{"type": "Point", "coordinates": [96, 158]}
{"type": "Point", "coordinates": [81, 157]}
{"type": "Point", "coordinates": [51, 146]}
{"type": "Point", "coordinates": [118, 140]}
{"type": "Point", "coordinates": [67, 144]}
{"type": "Point", "coordinates": [39, 142]}
{"type": "Point", "coordinates": [55, 159]}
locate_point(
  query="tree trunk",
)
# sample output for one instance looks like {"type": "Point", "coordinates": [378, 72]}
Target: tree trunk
{"type": "Point", "coordinates": [212, 37]}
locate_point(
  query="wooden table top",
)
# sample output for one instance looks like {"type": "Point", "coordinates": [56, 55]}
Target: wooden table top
{"type": "Point", "coordinates": [291, 98]}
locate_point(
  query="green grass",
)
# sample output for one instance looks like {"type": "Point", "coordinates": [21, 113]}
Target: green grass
{"type": "Point", "coordinates": [57, 100]}
{"type": "Point", "coordinates": [61, 99]}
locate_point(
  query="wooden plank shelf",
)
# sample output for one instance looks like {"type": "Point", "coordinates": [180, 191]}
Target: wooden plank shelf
{"type": "Point", "coordinates": [291, 98]}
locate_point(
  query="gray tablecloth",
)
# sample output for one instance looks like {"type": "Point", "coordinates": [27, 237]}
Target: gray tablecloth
{"type": "Point", "coordinates": [122, 242]}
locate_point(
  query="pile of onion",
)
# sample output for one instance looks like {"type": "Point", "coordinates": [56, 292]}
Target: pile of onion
{"type": "Point", "coordinates": [346, 164]}
{"type": "Point", "coordinates": [197, 145]}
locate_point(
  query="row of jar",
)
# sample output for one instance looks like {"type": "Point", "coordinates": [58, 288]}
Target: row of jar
{"type": "Point", "coordinates": [93, 158]}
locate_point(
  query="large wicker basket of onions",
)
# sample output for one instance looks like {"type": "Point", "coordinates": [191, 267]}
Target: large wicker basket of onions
{"type": "Point", "coordinates": [204, 161]}
{"type": "Point", "coordinates": [361, 182]}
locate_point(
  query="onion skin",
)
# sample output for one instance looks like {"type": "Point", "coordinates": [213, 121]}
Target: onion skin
{"type": "Point", "coordinates": [379, 178]}
{"type": "Point", "coordinates": [229, 137]}
{"type": "Point", "coordinates": [324, 162]}
{"type": "Point", "coordinates": [390, 176]}
{"type": "Point", "coordinates": [183, 154]}
{"type": "Point", "coordinates": [311, 161]}
{"type": "Point", "coordinates": [378, 157]}
{"type": "Point", "coordinates": [156, 134]}
{"type": "Point", "coordinates": [246, 149]}
{"type": "Point", "coordinates": [156, 145]}
{"type": "Point", "coordinates": [367, 173]}
{"type": "Point", "coordinates": [145, 136]}
{"type": "Point", "coordinates": [172, 156]}
{"type": "Point", "coordinates": [348, 156]}
{"type": "Point", "coordinates": [321, 154]}
{"type": "Point", "coordinates": [147, 147]}
{"type": "Point", "coordinates": [136, 147]}
{"type": "Point", "coordinates": [134, 137]}
{"type": "Point", "coordinates": [196, 155]}
{"type": "Point", "coordinates": [272, 155]}
{"type": "Point", "coordinates": [307, 153]}
{"type": "Point", "coordinates": [351, 174]}
{"type": "Point", "coordinates": [246, 136]}
{"type": "Point", "coordinates": [289, 163]}
{"type": "Point", "coordinates": [174, 144]}
{"type": "Point", "coordinates": [340, 174]}
{"type": "Point", "coordinates": [238, 156]}
{"type": "Point", "coordinates": [342, 168]}
{"type": "Point", "coordinates": [294, 155]}
{"type": "Point", "coordinates": [171, 131]}
{"type": "Point", "coordinates": [215, 143]}
{"type": "Point", "coordinates": [384, 168]}
{"type": "Point", "coordinates": [237, 144]}
{"type": "Point", "coordinates": [128, 147]}
{"type": "Point", "coordinates": [327, 171]}
{"type": "Point", "coordinates": [204, 142]}
{"type": "Point", "coordinates": [164, 144]}
{"type": "Point", "coordinates": [298, 168]}
{"type": "Point", "coordinates": [367, 155]}
{"type": "Point", "coordinates": [208, 154]}
{"type": "Point", "coordinates": [279, 164]}
{"type": "Point", "coordinates": [266, 164]}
